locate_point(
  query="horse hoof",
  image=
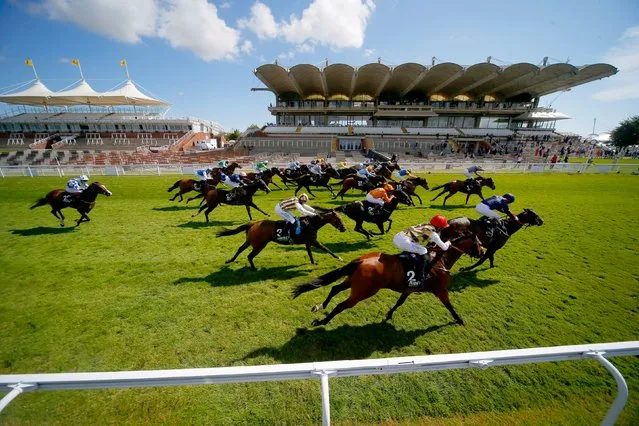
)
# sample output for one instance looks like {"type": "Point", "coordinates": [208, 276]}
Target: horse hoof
{"type": "Point", "coordinates": [315, 323]}
{"type": "Point", "coordinates": [317, 308]}
{"type": "Point", "coordinates": [340, 259]}
{"type": "Point", "coordinates": [229, 261]}
{"type": "Point", "coordinates": [461, 322]}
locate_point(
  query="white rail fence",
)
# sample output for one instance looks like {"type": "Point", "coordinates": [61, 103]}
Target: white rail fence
{"type": "Point", "coordinates": [189, 169]}
{"type": "Point", "coordinates": [16, 384]}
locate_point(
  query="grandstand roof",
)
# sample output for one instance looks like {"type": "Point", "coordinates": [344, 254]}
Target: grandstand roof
{"type": "Point", "coordinates": [82, 94]}
{"type": "Point", "coordinates": [337, 81]}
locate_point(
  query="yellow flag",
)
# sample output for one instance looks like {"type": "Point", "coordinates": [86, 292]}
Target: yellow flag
{"type": "Point", "coordinates": [29, 62]}
{"type": "Point", "coordinates": [75, 62]}
{"type": "Point", "coordinates": [123, 63]}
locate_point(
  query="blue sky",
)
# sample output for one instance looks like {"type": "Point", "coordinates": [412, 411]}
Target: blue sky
{"type": "Point", "coordinates": [200, 55]}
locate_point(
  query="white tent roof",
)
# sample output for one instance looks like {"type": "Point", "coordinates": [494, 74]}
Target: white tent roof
{"type": "Point", "coordinates": [37, 94]}
{"type": "Point", "coordinates": [82, 94]}
{"type": "Point", "coordinates": [542, 116]}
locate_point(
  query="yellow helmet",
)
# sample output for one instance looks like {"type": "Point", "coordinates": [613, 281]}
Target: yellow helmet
{"type": "Point", "coordinates": [303, 197]}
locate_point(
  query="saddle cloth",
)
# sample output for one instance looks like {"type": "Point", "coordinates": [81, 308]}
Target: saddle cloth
{"type": "Point", "coordinates": [281, 232]}
{"type": "Point", "coordinates": [413, 265]}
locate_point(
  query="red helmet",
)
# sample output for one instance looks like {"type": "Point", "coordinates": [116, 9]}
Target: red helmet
{"type": "Point", "coordinates": [439, 221]}
{"type": "Point", "coordinates": [388, 187]}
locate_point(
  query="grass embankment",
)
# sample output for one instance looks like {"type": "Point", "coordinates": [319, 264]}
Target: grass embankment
{"type": "Point", "coordinates": [143, 286]}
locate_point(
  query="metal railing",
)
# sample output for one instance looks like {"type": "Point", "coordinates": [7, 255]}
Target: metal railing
{"type": "Point", "coordinates": [451, 167]}
{"type": "Point", "coordinates": [16, 384]}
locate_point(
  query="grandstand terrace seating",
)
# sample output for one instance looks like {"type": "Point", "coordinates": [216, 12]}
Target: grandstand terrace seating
{"type": "Point", "coordinates": [432, 131]}
{"type": "Point", "coordinates": [487, 132]}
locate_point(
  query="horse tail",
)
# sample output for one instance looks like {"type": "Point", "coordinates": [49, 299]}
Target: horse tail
{"type": "Point", "coordinates": [175, 185]}
{"type": "Point", "coordinates": [40, 202]}
{"type": "Point", "coordinates": [326, 279]}
{"type": "Point", "coordinates": [227, 232]}
{"type": "Point", "coordinates": [440, 187]}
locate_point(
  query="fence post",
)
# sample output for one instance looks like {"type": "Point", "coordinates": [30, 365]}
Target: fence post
{"type": "Point", "coordinates": [158, 166]}
{"type": "Point", "coordinates": [30, 172]}
{"type": "Point", "coordinates": [2, 172]}
{"type": "Point", "coordinates": [326, 402]}
{"type": "Point", "coordinates": [622, 388]}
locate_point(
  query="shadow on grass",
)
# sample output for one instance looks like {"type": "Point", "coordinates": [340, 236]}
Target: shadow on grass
{"type": "Point", "coordinates": [342, 247]}
{"type": "Point", "coordinates": [344, 342]}
{"type": "Point", "coordinates": [42, 230]}
{"type": "Point", "coordinates": [175, 208]}
{"type": "Point", "coordinates": [226, 276]}
{"type": "Point", "coordinates": [470, 205]}
{"type": "Point", "coordinates": [198, 225]}
{"type": "Point", "coordinates": [461, 280]}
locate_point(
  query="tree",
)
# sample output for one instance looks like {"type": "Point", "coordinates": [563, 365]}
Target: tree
{"type": "Point", "coordinates": [626, 134]}
{"type": "Point", "coordinates": [233, 136]}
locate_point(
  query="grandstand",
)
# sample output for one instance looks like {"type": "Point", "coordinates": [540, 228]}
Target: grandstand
{"type": "Point", "coordinates": [443, 109]}
{"type": "Point", "coordinates": [81, 125]}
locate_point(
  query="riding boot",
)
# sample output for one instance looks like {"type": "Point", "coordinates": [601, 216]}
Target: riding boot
{"type": "Point", "coordinates": [289, 230]}
{"type": "Point", "coordinates": [426, 268]}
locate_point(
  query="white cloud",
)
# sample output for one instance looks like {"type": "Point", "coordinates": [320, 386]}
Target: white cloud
{"type": "Point", "coordinates": [305, 48]}
{"type": "Point", "coordinates": [122, 20]}
{"type": "Point", "coordinates": [261, 58]}
{"type": "Point", "coordinates": [247, 47]}
{"type": "Point", "coordinates": [225, 5]}
{"type": "Point", "coordinates": [261, 22]}
{"type": "Point", "coordinates": [189, 24]}
{"type": "Point", "coordinates": [287, 55]}
{"type": "Point", "coordinates": [194, 24]}
{"type": "Point", "coordinates": [369, 52]}
{"type": "Point", "coordinates": [332, 23]}
{"type": "Point", "coordinates": [624, 56]}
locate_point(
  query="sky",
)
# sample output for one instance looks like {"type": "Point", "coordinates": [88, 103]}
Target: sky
{"type": "Point", "coordinates": [200, 55]}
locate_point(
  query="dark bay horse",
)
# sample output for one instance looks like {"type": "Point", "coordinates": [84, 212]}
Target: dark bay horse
{"type": "Point", "coordinates": [345, 172]}
{"type": "Point", "coordinates": [372, 272]}
{"type": "Point", "coordinates": [460, 186]}
{"type": "Point", "coordinates": [59, 199]}
{"type": "Point", "coordinates": [188, 185]}
{"type": "Point", "coordinates": [308, 180]}
{"type": "Point", "coordinates": [359, 213]}
{"type": "Point", "coordinates": [363, 185]}
{"type": "Point", "coordinates": [462, 225]}
{"type": "Point", "coordinates": [259, 234]}
{"type": "Point", "coordinates": [215, 197]}
{"type": "Point", "coordinates": [410, 185]}
{"type": "Point", "coordinates": [266, 176]}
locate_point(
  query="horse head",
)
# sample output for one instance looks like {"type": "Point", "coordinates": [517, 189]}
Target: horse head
{"type": "Point", "coordinates": [488, 182]}
{"type": "Point", "coordinates": [402, 197]}
{"type": "Point", "coordinates": [330, 171]}
{"type": "Point", "coordinates": [529, 217]}
{"type": "Point", "coordinates": [100, 189]}
{"type": "Point", "coordinates": [468, 243]}
{"type": "Point", "coordinates": [420, 181]}
{"type": "Point", "coordinates": [332, 217]}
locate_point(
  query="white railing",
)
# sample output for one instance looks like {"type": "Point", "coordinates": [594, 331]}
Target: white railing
{"type": "Point", "coordinates": [419, 167]}
{"type": "Point", "coordinates": [16, 384]}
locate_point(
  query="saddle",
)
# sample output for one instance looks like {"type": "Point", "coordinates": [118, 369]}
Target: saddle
{"type": "Point", "coordinates": [69, 199]}
{"type": "Point", "coordinates": [315, 178]}
{"type": "Point", "coordinates": [492, 227]}
{"type": "Point", "coordinates": [412, 265]}
{"type": "Point", "coordinates": [281, 230]}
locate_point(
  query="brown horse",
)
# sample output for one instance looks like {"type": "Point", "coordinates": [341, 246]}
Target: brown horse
{"type": "Point", "coordinates": [60, 199]}
{"type": "Point", "coordinates": [460, 186]}
{"type": "Point", "coordinates": [266, 176]}
{"type": "Point", "coordinates": [187, 185]}
{"type": "Point", "coordinates": [461, 225]}
{"type": "Point", "coordinates": [353, 182]}
{"type": "Point", "coordinates": [310, 179]}
{"type": "Point", "coordinates": [259, 234]}
{"type": "Point", "coordinates": [214, 197]}
{"type": "Point", "coordinates": [410, 185]}
{"type": "Point", "coordinates": [372, 272]}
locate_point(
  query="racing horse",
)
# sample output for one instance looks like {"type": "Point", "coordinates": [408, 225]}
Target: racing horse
{"type": "Point", "coordinates": [259, 234]}
{"type": "Point", "coordinates": [462, 225]}
{"type": "Point", "coordinates": [359, 213]}
{"type": "Point", "coordinates": [59, 199]}
{"type": "Point", "coordinates": [188, 185]}
{"type": "Point", "coordinates": [460, 186]}
{"type": "Point", "coordinates": [353, 181]}
{"type": "Point", "coordinates": [410, 185]}
{"type": "Point", "coordinates": [266, 176]}
{"type": "Point", "coordinates": [243, 197]}
{"type": "Point", "coordinates": [308, 180]}
{"type": "Point", "coordinates": [369, 273]}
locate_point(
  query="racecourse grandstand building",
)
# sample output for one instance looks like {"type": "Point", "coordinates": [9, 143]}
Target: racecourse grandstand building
{"type": "Point", "coordinates": [411, 107]}
{"type": "Point", "coordinates": [80, 121]}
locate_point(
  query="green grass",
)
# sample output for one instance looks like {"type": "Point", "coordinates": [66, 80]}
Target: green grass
{"type": "Point", "coordinates": [144, 286]}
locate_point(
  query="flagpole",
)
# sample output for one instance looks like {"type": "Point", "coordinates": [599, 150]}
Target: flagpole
{"type": "Point", "coordinates": [80, 68]}
{"type": "Point", "coordinates": [126, 67]}
{"type": "Point", "coordinates": [34, 71]}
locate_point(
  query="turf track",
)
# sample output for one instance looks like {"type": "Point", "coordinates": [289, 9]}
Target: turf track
{"type": "Point", "coordinates": [143, 286]}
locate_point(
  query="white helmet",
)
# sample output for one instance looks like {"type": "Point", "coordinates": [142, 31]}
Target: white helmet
{"type": "Point", "coordinates": [303, 197]}
{"type": "Point", "coordinates": [243, 174]}
{"type": "Point", "coordinates": [84, 178]}
{"type": "Point", "coordinates": [265, 161]}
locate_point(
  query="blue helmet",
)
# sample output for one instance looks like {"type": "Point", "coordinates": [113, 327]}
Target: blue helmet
{"type": "Point", "coordinates": [509, 197]}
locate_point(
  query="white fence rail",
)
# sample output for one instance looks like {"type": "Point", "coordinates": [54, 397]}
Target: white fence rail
{"type": "Point", "coordinates": [16, 384]}
{"type": "Point", "coordinates": [188, 169]}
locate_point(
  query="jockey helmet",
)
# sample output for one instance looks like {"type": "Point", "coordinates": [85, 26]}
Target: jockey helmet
{"type": "Point", "coordinates": [509, 197]}
{"type": "Point", "coordinates": [388, 187]}
{"type": "Point", "coordinates": [409, 171]}
{"type": "Point", "coordinates": [243, 174]}
{"type": "Point", "coordinates": [265, 161]}
{"type": "Point", "coordinates": [439, 221]}
{"type": "Point", "coordinates": [303, 198]}
{"type": "Point", "coordinates": [370, 168]}
{"type": "Point", "coordinates": [84, 178]}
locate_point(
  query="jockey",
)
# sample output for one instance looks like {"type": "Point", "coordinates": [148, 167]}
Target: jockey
{"type": "Point", "coordinates": [378, 197]}
{"type": "Point", "coordinates": [299, 203]}
{"type": "Point", "coordinates": [203, 174]}
{"type": "Point", "coordinates": [223, 164]}
{"type": "Point", "coordinates": [363, 174]}
{"type": "Point", "coordinates": [469, 175]}
{"type": "Point", "coordinates": [235, 181]}
{"type": "Point", "coordinates": [262, 166]}
{"type": "Point", "coordinates": [402, 174]}
{"type": "Point", "coordinates": [294, 165]}
{"type": "Point", "coordinates": [500, 204]}
{"type": "Point", "coordinates": [77, 185]}
{"type": "Point", "coordinates": [316, 169]}
{"type": "Point", "coordinates": [409, 239]}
